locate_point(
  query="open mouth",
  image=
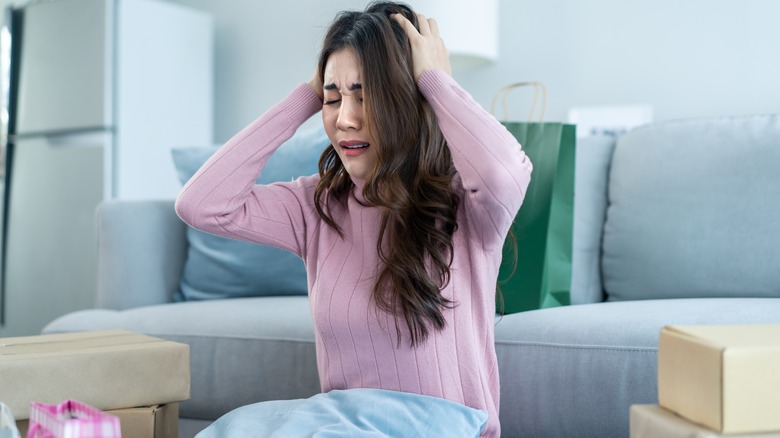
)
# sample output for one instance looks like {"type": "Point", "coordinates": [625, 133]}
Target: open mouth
{"type": "Point", "coordinates": [353, 148]}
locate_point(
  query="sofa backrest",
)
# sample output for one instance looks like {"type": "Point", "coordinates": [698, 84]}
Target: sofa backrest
{"type": "Point", "coordinates": [143, 247]}
{"type": "Point", "coordinates": [693, 210]}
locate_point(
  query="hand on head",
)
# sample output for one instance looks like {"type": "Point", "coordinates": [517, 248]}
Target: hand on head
{"type": "Point", "coordinates": [428, 49]}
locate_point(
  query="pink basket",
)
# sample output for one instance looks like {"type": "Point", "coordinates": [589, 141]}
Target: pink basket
{"type": "Point", "coordinates": [71, 419]}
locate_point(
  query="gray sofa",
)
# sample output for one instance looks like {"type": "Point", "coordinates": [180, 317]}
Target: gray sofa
{"type": "Point", "coordinates": [677, 223]}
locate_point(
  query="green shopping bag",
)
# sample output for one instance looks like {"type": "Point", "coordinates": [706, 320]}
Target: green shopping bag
{"type": "Point", "coordinates": [542, 229]}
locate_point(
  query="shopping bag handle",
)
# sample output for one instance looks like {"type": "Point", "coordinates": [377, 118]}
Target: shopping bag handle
{"type": "Point", "coordinates": [502, 93]}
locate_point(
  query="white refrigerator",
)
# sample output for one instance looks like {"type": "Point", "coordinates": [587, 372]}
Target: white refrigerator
{"type": "Point", "coordinates": [97, 93]}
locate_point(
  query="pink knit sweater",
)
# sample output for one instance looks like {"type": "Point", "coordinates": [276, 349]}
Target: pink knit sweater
{"type": "Point", "coordinates": [356, 345]}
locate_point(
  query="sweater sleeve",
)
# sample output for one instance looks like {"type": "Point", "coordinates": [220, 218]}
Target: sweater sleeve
{"type": "Point", "coordinates": [493, 169]}
{"type": "Point", "coordinates": [222, 197]}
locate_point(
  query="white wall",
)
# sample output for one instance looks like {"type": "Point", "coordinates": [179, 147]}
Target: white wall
{"type": "Point", "coordinates": [686, 58]}
{"type": "Point", "coordinates": [263, 50]}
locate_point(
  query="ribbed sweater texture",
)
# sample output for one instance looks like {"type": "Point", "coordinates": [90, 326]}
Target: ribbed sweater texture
{"type": "Point", "coordinates": [357, 345]}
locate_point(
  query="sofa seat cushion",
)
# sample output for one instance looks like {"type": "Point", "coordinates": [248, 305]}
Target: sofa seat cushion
{"type": "Point", "coordinates": [242, 350]}
{"type": "Point", "coordinates": [562, 368]}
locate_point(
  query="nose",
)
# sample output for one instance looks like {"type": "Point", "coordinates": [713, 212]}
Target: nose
{"type": "Point", "coordinates": [350, 115]}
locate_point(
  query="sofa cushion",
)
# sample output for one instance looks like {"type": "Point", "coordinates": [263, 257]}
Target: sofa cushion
{"type": "Point", "coordinates": [594, 154]}
{"type": "Point", "coordinates": [242, 351]}
{"type": "Point", "coordinates": [217, 267]}
{"type": "Point", "coordinates": [566, 371]}
{"type": "Point", "coordinates": [576, 370]}
{"type": "Point", "coordinates": [693, 208]}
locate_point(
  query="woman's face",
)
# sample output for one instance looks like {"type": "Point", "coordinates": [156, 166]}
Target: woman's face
{"type": "Point", "coordinates": [343, 114]}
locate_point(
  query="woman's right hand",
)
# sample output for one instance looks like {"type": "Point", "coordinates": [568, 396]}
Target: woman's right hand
{"type": "Point", "coordinates": [428, 49]}
{"type": "Point", "coordinates": [316, 84]}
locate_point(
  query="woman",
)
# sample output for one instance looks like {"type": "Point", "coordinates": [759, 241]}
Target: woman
{"type": "Point", "coordinates": [402, 230]}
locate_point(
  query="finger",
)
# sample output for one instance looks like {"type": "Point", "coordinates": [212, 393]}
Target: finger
{"type": "Point", "coordinates": [425, 28]}
{"type": "Point", "coordinates": [434, 26]}
{"type": "Point", "coordinates": [405, 24]}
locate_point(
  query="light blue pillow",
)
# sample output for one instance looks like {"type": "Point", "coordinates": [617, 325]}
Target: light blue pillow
{"type": "Point", "coordinates": [217, 267]}
{"type": "Point", "coordinates": [351, 413]}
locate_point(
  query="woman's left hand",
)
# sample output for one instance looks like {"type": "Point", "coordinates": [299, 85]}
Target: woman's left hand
{"type": "Point", "coordinates": [428, 49]}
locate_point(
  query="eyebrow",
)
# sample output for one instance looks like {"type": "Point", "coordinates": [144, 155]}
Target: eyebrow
{"type": "Point", "coordinates": [353, 87]}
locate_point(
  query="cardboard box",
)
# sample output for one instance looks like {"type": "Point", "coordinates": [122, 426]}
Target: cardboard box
{"type": "Point", "coordinates": [108, 370]}
{"type": "Point", "coordinates": [158, 421]}
{"type": "Point", "coordinates": [653, 421]}
{"type": "Point", "coordinates": [725, 378]}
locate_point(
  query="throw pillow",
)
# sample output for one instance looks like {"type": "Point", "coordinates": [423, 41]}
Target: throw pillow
{"type": "Point", "coordinates": [594, 154]}
{"type": "Point", "coordinates": [356, 412]}
{"type": "Point", "coordinates": [693, 210]}
{"type": "Point", "coordinates": [217, 267]}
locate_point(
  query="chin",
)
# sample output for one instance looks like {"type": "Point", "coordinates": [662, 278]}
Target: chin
{"type": "Point", "coordinates": [356, 171]}
{"type": "Point", "coordinates": [357, 175]}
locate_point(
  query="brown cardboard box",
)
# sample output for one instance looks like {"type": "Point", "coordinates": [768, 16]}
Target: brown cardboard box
{"type": "Point", "coordinates": [723, 377]}
{"type": "Point", "coordinates": [158, 421]}
{"type": "Point", "coordinates": [108, 370]}
{"type": "Point", "coordinates": [653, 421]}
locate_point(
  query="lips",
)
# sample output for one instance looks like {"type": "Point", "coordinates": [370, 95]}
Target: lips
{"type": "Point", "coordinates": [353, 147]}
{"type": "Point", "coordinates": [353, 144]}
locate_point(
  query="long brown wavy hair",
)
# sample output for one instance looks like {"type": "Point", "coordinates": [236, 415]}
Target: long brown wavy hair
{"type": "Point", "coordinates": [411, 181]}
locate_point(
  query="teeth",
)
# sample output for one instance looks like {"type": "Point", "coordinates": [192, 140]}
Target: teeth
{"type": "Point", "coordinates": [357, 146]}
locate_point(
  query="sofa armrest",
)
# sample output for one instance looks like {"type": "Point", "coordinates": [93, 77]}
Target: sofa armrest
{"type": "Point", "coordinates": [143, 247]}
